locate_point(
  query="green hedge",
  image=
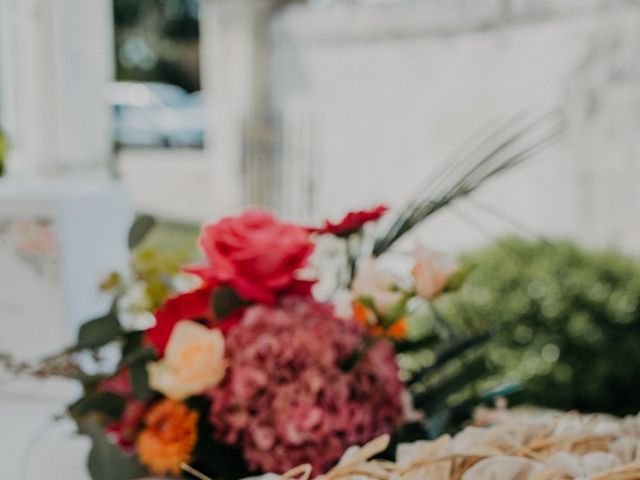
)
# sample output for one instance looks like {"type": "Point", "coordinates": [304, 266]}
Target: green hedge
{"type": "Point", "coordinates": [566, 322]}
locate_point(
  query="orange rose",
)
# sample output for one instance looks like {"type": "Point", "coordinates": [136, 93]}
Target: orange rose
{"type": "Point", "coordinates": [193, 361]}
{"type": "Point", "coordinates": [169, 437]}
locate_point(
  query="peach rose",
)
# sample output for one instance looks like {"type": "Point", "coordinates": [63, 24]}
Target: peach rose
{"type": "Point", "coordinates": [194, 361]}
{"type": "Point", "coordinates": [376, 285]}
{"type": "Point", "coordinates": [431, 271]}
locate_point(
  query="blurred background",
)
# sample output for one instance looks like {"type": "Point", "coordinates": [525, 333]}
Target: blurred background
{"type": "Point", "coordinates": [189, 110]}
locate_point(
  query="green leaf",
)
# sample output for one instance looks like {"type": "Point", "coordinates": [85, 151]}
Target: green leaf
{"type": "Point", "coordinates": [503, 390]}
{"type": "Point", "coordinates": [435, 396]}
{"type": "Point", "coordinates": [367, 301]}
{"type": "Point", "coordinates": [140, 355]}
{"type": "Point", "coordinates": [100, 331]}
{"type": "Point", "coordinates": [105, 403]}
{"type": "Point", "coordinates": [90, 382]}
{"type": "Point", "coordinates": [225, 301]}
{"type": "Point", "coordinates": [107, 461]}
{"type": "Point", "coordinates": [410, 432]}
{"type": "Point", "coordinates": [395, 312]}
{"type": "Point", "coordinates": [448, 351]}
{"type": "Point", "coordinates": [139, 230]}
{"type": "Point", "coordinates": [211, 457]}
{"type": "Point", "coordinates": [427, 341]}
{"type": "Point", "coordinates": [456, 281]}
{"type": "Point", "coordinates": [438, 423]}
{"type": "Point", "coordinates": [140, 382]}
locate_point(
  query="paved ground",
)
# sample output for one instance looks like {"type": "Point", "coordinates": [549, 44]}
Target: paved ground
{"type": "Point", "coordinates": [33, 446]}
{"type": "Point", "coordinates": [168, 183]}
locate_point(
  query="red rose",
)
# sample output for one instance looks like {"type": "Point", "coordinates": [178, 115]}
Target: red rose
{"type": "Point", "coordinates": [187, 306]}
{"type": "Point", "coordinates": [352, 222]}
{"type": "Point", "coordinates": [255, 255]}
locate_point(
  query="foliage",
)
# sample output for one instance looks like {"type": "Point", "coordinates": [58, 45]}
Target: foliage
{"type": "Point", "coordinates": [107, 461]}
{"type": "Point", "coordinates": [159, 251]}
{"type": "Point", "coordinates": [4, 147]}
{"type": "Point", "coordinates": [443, 361]}
{"type": "Point", "coordinates": [173, 238]}
{"type": "Point", "coordinates": [565, 321]}
{"type": "Point", "coordinates": [126, 13]}
{"type": "Point", "coordinates": [157, 40]}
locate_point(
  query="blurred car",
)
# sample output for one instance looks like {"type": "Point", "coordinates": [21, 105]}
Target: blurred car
{"type": "Point", "coordinates": [156, 115]}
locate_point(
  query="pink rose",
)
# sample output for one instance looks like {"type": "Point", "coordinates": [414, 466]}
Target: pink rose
{"type": "Point", "coordinates": [256, 255]}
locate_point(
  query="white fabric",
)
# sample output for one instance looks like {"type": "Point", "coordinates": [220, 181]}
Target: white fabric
{"type": "Point", "coordinates": [627, 449]}
{"type": "Point", "coordinates": [503, 468]}
{"type": "Point", "coordinates": [588, 465]}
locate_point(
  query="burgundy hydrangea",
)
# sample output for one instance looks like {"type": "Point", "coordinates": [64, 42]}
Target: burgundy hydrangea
{"type": "Point", "coordinates": [287, 401]}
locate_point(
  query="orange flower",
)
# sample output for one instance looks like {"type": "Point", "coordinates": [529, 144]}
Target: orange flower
{"type": "Point", "coordinates": [169, 437]}
{"type": "Point", "coordinates": [368, 320]}
{"type": "Point", "coordinates": [361, 313]}
{"type": "Point", "coordinates": [398, 330]}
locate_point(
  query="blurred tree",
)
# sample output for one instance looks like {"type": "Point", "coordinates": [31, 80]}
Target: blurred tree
{"type": "Point", "coordinates": [158, 40]}
{"type": "Point", "coordinates": [126, 13]}
{"type": "Point", "coordinates": [566, 321]}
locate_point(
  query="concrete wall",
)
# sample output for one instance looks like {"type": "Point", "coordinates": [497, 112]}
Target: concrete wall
{"type": "Point", "coordinates": [392, 88]}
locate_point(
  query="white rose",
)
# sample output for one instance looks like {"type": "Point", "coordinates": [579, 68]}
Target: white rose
{"type": "Point", "coordinates": [193, 361]}
{"type": "Point", "coordinates": [343, 304]}
{"type": "Point", "coordinates": [375, 284]}
{"type": "Point", "coordinates": [432, 271]}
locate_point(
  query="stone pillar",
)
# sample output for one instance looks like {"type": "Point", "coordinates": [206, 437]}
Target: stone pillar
{"type": "Point", "coordinates": [63, 220]}
{"type": "Point", "coordinates": [235, 71]}
{"type": "Point", "coordinates": [56, 59]}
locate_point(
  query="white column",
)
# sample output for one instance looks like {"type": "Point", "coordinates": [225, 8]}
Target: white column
{"type": "Point", "coordinates": [63, 221]}
{"type": "Point", "coordinates": [56, 58]}
{"type": "Point", "coordinates": [235, 77]}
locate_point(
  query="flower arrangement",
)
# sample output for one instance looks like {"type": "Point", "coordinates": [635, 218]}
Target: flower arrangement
{"type": "Point", "coordinates": [280, 377]}
{"type": "Point", "coordinates": [249, 372]}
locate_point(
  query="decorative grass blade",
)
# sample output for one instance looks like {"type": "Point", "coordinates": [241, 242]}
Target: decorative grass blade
{"type": "Point", "coordinates": [447, 352]}
{"type": "Point", "coordinates": [415, 345]}
{"type": "Point", "coordinates": [435, 395]}
{"type": "Point", "coordinates": [497, 150]}
{"type": "Point", "coordinates": [462, 411]}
